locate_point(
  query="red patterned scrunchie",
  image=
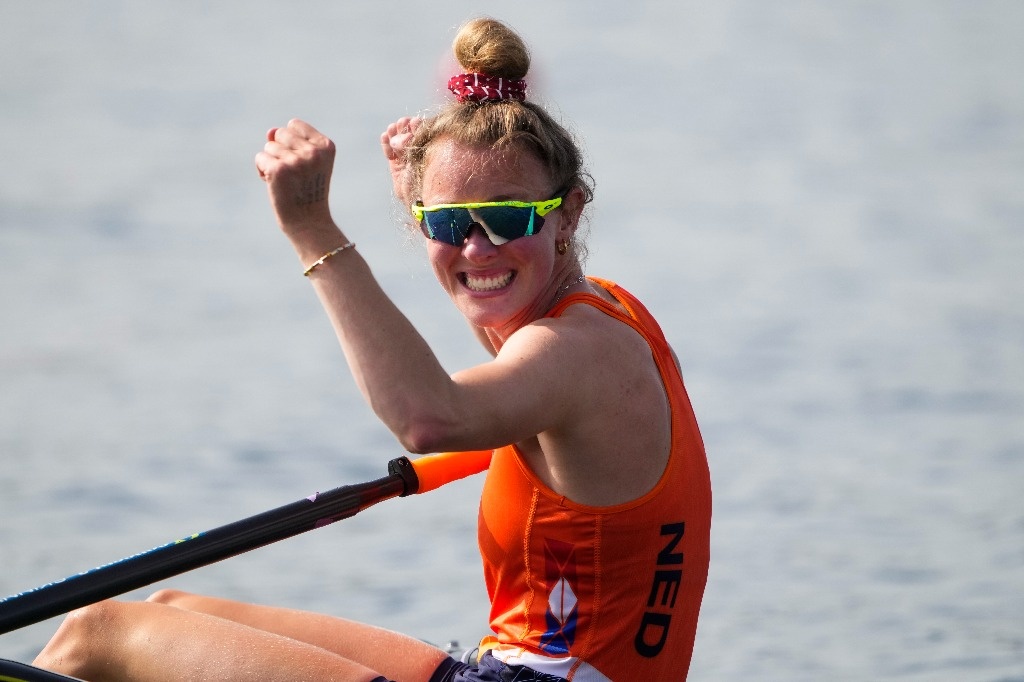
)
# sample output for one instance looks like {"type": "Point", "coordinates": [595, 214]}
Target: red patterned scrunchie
{"type": "Point", "coordinates": [478, 87]}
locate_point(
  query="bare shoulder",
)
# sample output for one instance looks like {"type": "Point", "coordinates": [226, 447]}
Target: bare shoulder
{"type": "Point", "coordinates": [581, 334]}
{"type": "Point", "coordinates": [614, 444]}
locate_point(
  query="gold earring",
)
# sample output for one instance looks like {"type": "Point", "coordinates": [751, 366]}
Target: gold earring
{"type": "Point", "coordinates": [562, 246]}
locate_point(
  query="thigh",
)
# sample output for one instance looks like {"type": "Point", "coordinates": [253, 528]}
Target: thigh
{"type": "Point", "coordinates": [393, 654]}
{"type": "Point", "coordinates": [157, 643]}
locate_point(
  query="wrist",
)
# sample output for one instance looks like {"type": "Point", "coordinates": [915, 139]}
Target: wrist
{"type": "Point", "coordinates": [312, 240]}
{"type": "Point", "coordinates": [327, 256]}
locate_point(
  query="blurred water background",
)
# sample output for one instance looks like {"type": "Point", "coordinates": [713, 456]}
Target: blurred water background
{"type": "Point", "coordinates": [823, 202]}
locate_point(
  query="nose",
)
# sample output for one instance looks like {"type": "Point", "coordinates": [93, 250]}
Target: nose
{"type": "Point", "coordinates": [478, 245]}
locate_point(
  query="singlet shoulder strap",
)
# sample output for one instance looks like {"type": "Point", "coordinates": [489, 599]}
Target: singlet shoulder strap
{"type": "Point", "coordinates": [636, 316]}
{"type": "Point", "coordinates": [597, 302]}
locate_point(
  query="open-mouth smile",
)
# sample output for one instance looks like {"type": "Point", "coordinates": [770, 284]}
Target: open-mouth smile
{"type": "Point", "coordinates": [488, 283]}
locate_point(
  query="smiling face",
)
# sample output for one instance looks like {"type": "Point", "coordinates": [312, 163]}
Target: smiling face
{"type": "Point", "coordinates": [496, 287]}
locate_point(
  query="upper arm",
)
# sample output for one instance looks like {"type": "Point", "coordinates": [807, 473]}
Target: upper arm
{"type": "Point", "coordinates": [536, 382]}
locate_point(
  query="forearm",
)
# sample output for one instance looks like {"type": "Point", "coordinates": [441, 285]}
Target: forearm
{"type": "Point", "coordinates": [392, 364]}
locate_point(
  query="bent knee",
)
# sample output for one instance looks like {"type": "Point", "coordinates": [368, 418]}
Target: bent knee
{"type": "Point", "coordinates": [79, 640]}
{"type": "Point", "coordinates": [168, 597]}
{"type": "Point", "coordinates": [93, 620]}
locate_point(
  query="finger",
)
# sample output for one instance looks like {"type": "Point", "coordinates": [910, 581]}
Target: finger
{"type": "Point", "coordinates": [389, 141]}
{"type": "Point", "coordinates": [397, 136]}
{"type": "Point", "coordinates": [264, 165]}
{"type": "Point", "coordinates": [403, 126]}
{"type": "Point", "coordinates": [390, 132]}
{"type": "Point", "coordinates": [305, 131]}
{"type": "Point", "coordinates": [272, 157]}
{"type": "Point", "coordinates": [295, 133]}
{"type": "Point", "coordinates": [385, 144]}
{"type": "Point", "coordinates": [289, 145]}
{"type": "Point", "coordinates": [286, 137]}
{"type": "Point", "coordinates": [281, 152]}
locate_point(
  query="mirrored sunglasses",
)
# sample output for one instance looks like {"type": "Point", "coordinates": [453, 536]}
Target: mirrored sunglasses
{"type": "Point", "coordinates": [502, 221]}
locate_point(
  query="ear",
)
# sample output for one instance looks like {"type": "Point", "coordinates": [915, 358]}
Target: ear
{"type": "Point", "coordinates": [572, 210]}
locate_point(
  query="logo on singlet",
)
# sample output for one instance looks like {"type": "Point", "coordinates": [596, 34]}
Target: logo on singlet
{"type": "Point", "coordinates": [562, 612]}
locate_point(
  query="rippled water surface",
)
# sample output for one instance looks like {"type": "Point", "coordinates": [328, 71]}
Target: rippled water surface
{"type": "Point", "coordinates": [823, 202]}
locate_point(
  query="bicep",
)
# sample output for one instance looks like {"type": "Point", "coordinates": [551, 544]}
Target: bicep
{"type": "Point", "coordinates": [532, 386]}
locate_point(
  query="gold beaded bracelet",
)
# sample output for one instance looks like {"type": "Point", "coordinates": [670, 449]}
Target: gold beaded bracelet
{"type": "Point", "coordinates": [314, 266]}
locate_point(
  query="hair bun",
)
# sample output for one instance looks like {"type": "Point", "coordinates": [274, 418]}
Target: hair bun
{"type": "Point", "coordinates": [487, 46]}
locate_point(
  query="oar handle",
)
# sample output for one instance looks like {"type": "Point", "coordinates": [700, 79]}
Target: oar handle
{"type": "Point", "coordinates": [404, 478]}
{"type": "Point", "coordinates": [434, 471]}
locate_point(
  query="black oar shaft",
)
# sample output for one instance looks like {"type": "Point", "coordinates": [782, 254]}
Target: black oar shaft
{"type": "Point", "coordinates": [201, 549]}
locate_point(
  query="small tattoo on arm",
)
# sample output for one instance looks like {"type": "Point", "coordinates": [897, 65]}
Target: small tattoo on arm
{"type": "Point", "coordinates": [313, 190]}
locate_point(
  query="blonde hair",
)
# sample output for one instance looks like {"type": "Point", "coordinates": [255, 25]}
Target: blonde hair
{"type": "Point", "coordinates": [489, 47]}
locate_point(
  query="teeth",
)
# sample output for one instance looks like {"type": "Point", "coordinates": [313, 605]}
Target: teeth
{"type": "Point", "coordinates": [488, 283]}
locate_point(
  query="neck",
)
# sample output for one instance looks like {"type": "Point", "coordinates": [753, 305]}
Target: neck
{"type": "Point", "coordinates": [570, 281]}
{"type": "Point", "coordinates": [566, 286]}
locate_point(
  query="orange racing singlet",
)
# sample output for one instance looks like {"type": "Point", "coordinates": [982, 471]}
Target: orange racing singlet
{"type": "Point", "coordinates": [601, 593]}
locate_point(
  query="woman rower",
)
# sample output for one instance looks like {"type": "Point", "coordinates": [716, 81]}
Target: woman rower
{"type": "Point", "coordinates": [595, 515]}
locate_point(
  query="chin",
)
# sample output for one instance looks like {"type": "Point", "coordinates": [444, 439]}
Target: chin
{"type": "Point", "coordinates": [488, 312]}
